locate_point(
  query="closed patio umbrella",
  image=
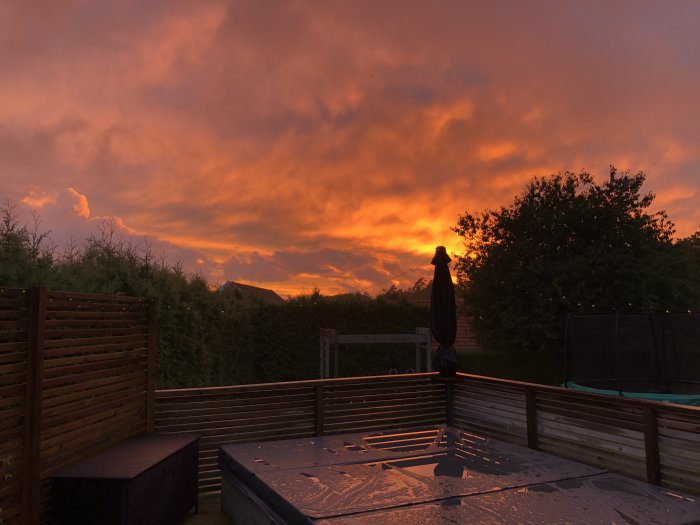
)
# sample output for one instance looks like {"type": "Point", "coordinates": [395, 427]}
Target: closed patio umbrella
{"type": "Point", "coordinates": [443, 315]}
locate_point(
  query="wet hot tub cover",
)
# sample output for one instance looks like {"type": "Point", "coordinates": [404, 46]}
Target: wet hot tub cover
{"type": "Point", "coordinates": [440, 475]}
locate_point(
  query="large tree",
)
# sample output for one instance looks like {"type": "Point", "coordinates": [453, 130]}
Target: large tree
{"type": "Point", "coordinates": [566, 244]}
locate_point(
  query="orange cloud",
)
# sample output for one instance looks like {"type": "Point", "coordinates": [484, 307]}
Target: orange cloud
{"type": "Point", "coordinates": [495, 151]}
{"type": "Point", "coordinates": [37, 199]}
{"type": "Point", "coordinates": [81, 206]}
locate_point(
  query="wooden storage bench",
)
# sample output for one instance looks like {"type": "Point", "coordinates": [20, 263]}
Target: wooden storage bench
{"type": "Point", "coordinates": [149, 479]}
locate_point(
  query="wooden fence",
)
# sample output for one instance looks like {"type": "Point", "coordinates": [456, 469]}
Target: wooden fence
{"type": "Point", "coordinates": [656, 442]}
{"type": "Point", "coordinates": [75, 372]}
{"type": "Point", "coordinates": [238, 414]}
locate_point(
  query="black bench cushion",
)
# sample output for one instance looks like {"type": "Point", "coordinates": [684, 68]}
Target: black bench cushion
{"type": "Point", "coordinates": [130, 458]}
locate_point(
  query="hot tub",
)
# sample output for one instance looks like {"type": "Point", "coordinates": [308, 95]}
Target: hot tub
{"type": "Point", "coordinates": [431, 476]}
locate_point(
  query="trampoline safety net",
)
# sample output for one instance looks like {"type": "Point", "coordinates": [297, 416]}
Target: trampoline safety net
{"type": "Point", "coordinates": [634, 352]}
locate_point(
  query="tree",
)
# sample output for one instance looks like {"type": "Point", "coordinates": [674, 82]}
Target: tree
{"type": "Point", "coordinates": [420, 290]}
{"type": "Point", "coordinates": [566, 244]}
{"type": "Point", "coordinates": [690, 253]}
{"type": "Point", "coordinates": [26, 253]}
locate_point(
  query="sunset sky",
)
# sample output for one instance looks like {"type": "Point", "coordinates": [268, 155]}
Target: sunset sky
{"type": "Point", "coordinates": [333, 144]}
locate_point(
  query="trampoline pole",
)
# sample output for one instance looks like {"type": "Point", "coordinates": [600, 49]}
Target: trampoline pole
{"type": "Point", "coordinates": [566, 351]}
{"type": "Point", "coordinates": [617, 352]}
{"type": "Point", "coordinates": [657, 365]}
{"type": "Point", "coordinates": [678, 373]}
{"type": "Point", "coordinates": [664, 344]}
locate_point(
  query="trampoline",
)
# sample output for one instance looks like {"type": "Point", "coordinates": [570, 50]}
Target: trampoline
{"type": "Point", "coordinates": [652, 356]}
{"type": "Point", "coordinates": [430, 476]}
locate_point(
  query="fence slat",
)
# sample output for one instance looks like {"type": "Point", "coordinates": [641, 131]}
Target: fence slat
{"type": "Point", "coordinates": [651, 446]}
{"type": "Point", "coordinates": [14, 345]}
{"type": "Point", "coordinates": [151, 367]}
{"type": "Point", "coordinates": [33, 398]}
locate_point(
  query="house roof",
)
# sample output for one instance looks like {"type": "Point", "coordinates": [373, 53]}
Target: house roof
{"type": "Point", "coordinates": [263, 294]}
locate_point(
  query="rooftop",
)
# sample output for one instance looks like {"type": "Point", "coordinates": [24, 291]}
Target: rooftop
{"type": "Point", "coordinates": [263, 294]}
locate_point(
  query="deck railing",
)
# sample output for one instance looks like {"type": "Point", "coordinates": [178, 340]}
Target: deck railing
{"type": "Point", "coordinates": [652, 441]}
{"type": "Point", "coordinates": [245, 413]}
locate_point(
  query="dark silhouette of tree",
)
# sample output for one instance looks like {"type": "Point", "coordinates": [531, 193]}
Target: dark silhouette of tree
{"type": "Point", "coordinates": [26, 253]}
{"type": "Point", "coordinates": [567, 244]}
{"type": "Point", "coordinates": [690, 253]}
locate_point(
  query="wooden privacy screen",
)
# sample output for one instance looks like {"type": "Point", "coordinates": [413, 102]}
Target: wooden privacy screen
{"type": "Point", "coordinates": [75, 372]}
{"type": "Point", "coordinates": [246, 413]}
{"type": "Point", "coordinates": [14, 345]}
{"type": "Point", "coordinates": [652, 441]}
